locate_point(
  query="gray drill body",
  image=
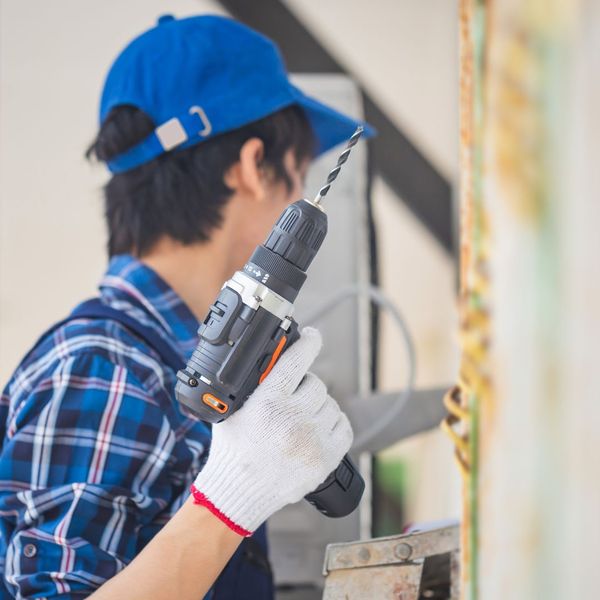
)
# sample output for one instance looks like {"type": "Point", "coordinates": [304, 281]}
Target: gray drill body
{"type": "Point", "coordinates": [251, 319]}
{"type": "Point", "coordinates": [251, 323]}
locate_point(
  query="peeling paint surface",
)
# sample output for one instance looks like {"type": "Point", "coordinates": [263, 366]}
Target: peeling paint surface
{"type": "Point", "coordinates": [516, 164]}
{"type": "Point", "coordinates": [474, 381]}
{"type": "Point", "coordinates": [524, 171]}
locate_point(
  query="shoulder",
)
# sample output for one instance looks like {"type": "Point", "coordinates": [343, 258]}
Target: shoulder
{"type": "Point", "coordinates": [89, 347]}
{"type": "Point", "coordinates": [90, 362]}
{"type": "Point", "coordinates": [84, 391]}
{"type": "Point", "coordinates": [86, 362]}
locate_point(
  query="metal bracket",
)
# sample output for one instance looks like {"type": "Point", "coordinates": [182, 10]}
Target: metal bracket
{"type": "Point", "coordinates": [391, 567]}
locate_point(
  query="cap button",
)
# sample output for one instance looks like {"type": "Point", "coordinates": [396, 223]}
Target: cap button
{"type": "Point", "coordinates": [165, 19]}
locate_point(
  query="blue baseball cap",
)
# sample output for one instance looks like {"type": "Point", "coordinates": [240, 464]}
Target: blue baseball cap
{"type": "Point", "coordinates": [201, 76]}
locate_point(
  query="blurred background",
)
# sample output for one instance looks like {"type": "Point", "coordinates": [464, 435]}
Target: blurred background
{"type": "Point", "coordinates": [395, 62]}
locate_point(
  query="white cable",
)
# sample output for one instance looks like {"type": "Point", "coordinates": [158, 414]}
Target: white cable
{"type": "Point", "coordinates": [378, 297]}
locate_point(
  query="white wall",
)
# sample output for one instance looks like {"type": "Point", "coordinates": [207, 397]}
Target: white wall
{"type": "Point", "coordinates": [53, 58]}
{"type": "Point", "coordinates": [406, 54]}
{"type": "Point", "coordinates": [419, 276]}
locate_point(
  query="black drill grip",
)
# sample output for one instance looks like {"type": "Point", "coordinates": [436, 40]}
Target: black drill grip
{"type": "Point", "coordinates": [341, 492]}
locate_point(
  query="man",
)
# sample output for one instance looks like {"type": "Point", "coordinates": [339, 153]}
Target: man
{"type": "Point", "coordinates": [208, 142]}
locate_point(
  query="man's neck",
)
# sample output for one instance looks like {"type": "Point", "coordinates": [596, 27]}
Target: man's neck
{"type": "Point", "coordinates": [196, 272]}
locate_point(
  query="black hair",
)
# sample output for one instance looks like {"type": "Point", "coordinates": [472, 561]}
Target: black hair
{"type": "Point", "coordinates": [181, 193]}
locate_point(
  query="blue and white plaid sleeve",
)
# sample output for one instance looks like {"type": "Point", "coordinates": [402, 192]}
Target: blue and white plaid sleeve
{"type": "Point", "coordinates": [83, 470]}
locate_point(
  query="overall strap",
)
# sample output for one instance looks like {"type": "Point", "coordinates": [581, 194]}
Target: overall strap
{"type": "Point", "coordinates": [95, 309]}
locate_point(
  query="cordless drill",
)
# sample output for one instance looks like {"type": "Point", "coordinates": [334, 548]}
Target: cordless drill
{"type": "Point", "coordinates": [250, 324]}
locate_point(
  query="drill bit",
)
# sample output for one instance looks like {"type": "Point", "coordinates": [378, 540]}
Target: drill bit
{"type": "Point", "coordinates": [341, 160]}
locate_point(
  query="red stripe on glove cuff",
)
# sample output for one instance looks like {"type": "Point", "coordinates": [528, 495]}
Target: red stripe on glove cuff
{"type": "Point", "coordinates": [200, 498]}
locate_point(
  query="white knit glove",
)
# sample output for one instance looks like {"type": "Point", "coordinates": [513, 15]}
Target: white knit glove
{"type": "Point", "coordinates": [281, 445]}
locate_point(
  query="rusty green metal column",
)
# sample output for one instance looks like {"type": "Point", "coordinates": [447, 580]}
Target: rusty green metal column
{"type": "Point", "coordinates": [474, 382]}
{"type": "Point", "coordinates": [530, 302]}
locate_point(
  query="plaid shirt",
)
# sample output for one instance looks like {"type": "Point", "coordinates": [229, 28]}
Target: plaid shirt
{"type": "Point", "coordinates": [96, 455]}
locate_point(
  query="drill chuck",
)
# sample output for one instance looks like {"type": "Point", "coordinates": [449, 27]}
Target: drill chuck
{"type": "Point", "coordinates": [299, 233]}
{"type": "Point", "coordinates": [282, 261]}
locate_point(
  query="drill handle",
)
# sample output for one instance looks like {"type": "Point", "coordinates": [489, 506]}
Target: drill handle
{"type": "Point", "coordinates": [341, 492]}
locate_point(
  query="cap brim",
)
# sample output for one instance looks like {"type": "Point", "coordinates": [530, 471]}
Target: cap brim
{"type": "Point", "coordinates": [330, 126]}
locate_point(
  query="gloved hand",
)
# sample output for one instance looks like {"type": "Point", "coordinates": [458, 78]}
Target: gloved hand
{"type": "Point", "coordinates": [281, 445]}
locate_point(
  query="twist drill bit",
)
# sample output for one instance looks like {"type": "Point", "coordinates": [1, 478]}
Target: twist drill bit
{"type": "Point", "coordinates": [341, 160]}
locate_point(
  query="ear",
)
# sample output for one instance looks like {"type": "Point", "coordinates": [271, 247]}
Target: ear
{"type": "Point", "coordinates": [246, 175]}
